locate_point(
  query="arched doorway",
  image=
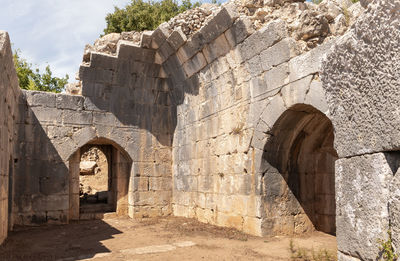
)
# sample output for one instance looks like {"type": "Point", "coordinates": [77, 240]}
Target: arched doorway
{"type": "Point", "coordinates": [99, 177]}
{"type": "Point", "coordinates": [298, 180]}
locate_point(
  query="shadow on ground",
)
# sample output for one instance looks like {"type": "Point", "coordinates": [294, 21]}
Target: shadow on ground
{"type": "Point", "coordinates": [66, 242]}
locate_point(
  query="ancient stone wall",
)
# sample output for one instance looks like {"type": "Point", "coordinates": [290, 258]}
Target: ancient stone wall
{"type": "Point", "coordinates": [8, 115]}
{"type": "Point", "coordinates": [234, 122]}
{"type": "Point", "coordinates": [126, 105]}
{"type": "Point", "coordinates": [238, 82]}
{"type": "Point", "coordinates": [362, 81]}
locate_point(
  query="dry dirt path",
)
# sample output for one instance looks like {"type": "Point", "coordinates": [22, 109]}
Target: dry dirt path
{"type": "Point", "coordinates": [152, 239]}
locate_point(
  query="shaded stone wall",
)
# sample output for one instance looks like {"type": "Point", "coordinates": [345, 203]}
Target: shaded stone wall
{"type": "Point", "coordinates": [8, 115]}
{"type": "Point", "coordinates": [125, 103]}
{"type": "Point", "coordinates": [362, 81]}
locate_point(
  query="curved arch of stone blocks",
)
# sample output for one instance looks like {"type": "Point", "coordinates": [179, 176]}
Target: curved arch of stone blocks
{"type": "Point", "coordinates": [297, 173]}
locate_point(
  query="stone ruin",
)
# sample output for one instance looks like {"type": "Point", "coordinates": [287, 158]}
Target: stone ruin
{"type": "Point", "coordinates": [274, 117]}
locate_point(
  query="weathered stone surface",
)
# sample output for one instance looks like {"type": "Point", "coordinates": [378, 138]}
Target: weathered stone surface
{"type": "Point", "coordinates": [177, 39]}
{"type": "Point", "coordinates": [216, 48]}
{"type": "Point", "coordinates": [239, 31]}
{"type": "Point", "coordinates": [362, 198]}
{"type": "Point", "coordinates": [195, 64]}
{"type": "Point", "coordinates": [358, 81]}
{"type": "Point", "coordinates": [279, 53]}
{"type": "Point", "coordinates": [393, 159]}
{"type": "Point", "coordinates": [262, 39]}
{"type": "Point", "coordinates": [309, 63]}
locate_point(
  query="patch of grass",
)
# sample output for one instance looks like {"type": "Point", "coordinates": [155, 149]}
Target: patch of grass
{"type": "Point", "coordinates": [387, 250]}
{"type": "Point", "coordinates": [304, 254]}
{"type": "Point", "coordinates": [346, 14]}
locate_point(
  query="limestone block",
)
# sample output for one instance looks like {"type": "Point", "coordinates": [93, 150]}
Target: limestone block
{"type": "Point", "coordinates": [103, 76]}
{"type": "Point", "coordinates": [393, 159]}
{"type": "Point", "coordinates": [239, 31]}
{"type": "Point", "coordinates": [103, 118]}
{"type": "Point", "coordinates": [179, 210]}
{"type": "Point", "coordinates": [316, 96]}
{"type": "Point", "coordinates": [186, 51]}
{"type": "Point", "coordinates": [262, 39]}
{"type": "Point", "coordinates": [195, 64]}
{"type": "Point", "coordinates": [253, 66]}
{"type": "Point", "coordinates": [252, 226]}
{"type": "Point", "coordinates": [152, 198]}
{"type": "Point", "coordinates": [145, 39]}
{"type": "Point", "coordinates": [220, 68]}
{"type": "Point", "coordinates": [177, 39]}
{"type": "Point", "coordinates": [50, 202]}
{"type": "Point", "coordinates": [159, 36]}
{"type": "Point", "coordinates": [103, 61]}
{"type": "Point", "coordinates": [130, 51]}
{"type": "Point", "coordinates": [77, 117]}
{"type": "Point", "coordinates": [217, 25]}
{"type": "Point", "coordinates": [310, 62]}
{"type": "Point", "coordinates": [140, 184]}
{"type": "Point", "coordinates": [358, 83]}
{"type": "Point", "coordinates": [279, 53]}
{"type": "Point", "coordinates": [50, 115]}
{"type": "Point", "coordinates": [295, 92]}
{"type": "Point", "coordinates": [86, 74]}
{"type": "Point", "coordinates": [164, 52]}
{"type": "Point", "coordinates": [275, 78]}
{"type": "Point", "coordinates": [273, 111]}
{"type": "Point", "coordinates": [173, 67]}
{"type": "Point", "coordinates": [160, 183]}
{"type": "Point", "coordinates": [257, 87]}
{"type": "Point", "coordinates": [71, 102]}
{"type": "Point", "coordinates": [362, 197]}
{"type": "Point", "coordinates": [45, 99]}
{"type": "Point", "coordinates": [82, 135]}
{"type": "Point", "coordinates": [227, 220]}
{"type": "Point", "coordinates": [144, 169]}
{"type": "Point", "coordinates": [216, 48]}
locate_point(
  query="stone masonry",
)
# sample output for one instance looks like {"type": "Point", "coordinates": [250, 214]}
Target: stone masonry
{"type": "Point", "coordinates": [274, 117]}
{"type": "Point", "coordinates": [10, 94]}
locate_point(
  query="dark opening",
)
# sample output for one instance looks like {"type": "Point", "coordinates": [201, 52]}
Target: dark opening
{"type": "Point", "coordinates": [299, 177]}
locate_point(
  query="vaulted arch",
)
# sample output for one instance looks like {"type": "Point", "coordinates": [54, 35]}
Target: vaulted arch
{"type": "Point", "coordinates": [120, 184]}
{"type": "Point", "coordinates": [298, 180]}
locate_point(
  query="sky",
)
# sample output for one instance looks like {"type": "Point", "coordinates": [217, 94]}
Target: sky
{"type": "Point", "coordinates": [55, 32]}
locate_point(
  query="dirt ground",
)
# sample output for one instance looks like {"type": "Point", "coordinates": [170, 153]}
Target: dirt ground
{"type": "Point", "coordinates": [168, 238]}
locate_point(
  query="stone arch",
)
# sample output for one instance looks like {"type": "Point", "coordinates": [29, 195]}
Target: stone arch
{"type": "Point", "coordinates": [121, 179]}
{"type": "Point", "coordinates": [297, 173]}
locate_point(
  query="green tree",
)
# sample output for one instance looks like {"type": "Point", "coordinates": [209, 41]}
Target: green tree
{"type": "Point", "coordinates": [142, 15]}
{"type": "Point", "coordinates": [32, 79]}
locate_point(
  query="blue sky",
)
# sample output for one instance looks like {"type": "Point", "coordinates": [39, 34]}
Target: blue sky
{"type": "Point", "coordinates": [55, 32]}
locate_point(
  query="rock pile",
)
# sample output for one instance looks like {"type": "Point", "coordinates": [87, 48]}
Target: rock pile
{"type": "Point", "coordinates": [108, 43]}
{"type": "Point", "coordinates": [310, 24]}
{"type": "Point", "coordinates": [193, 19]}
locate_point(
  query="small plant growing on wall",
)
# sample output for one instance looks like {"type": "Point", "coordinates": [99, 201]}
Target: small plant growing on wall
{"type": "Point", "coordinates": [387, 250]}
{"type": "Point", "coordinates": [237, 129]}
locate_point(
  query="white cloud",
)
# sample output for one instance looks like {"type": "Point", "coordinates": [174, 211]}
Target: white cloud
{"type": "Point", "coordinates": [55, 32]}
